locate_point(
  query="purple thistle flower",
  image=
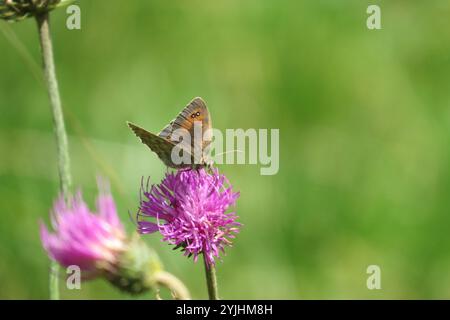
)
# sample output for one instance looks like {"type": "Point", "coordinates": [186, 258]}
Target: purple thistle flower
{"type": "Point", "coordinates": [189, 207]}
{"type": "Point", "coordinates": [91, 241]}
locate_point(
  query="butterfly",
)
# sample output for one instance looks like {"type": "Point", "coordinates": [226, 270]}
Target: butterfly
{"type": "Point", "coordinates": [194, 114]}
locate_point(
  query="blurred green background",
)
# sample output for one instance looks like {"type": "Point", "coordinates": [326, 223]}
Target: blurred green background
{"type": "Point", "coordinates": [364, 123]}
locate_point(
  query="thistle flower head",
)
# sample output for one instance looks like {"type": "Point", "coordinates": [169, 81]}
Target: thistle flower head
{"type": "Point", "coordinates": [189, 209]}
{"type": "Point", "coordinates": [92, 241]}
{"type": "Point", "coordinates": [14, 10]}
{"type": "Point", "coordinates": [98, 245]}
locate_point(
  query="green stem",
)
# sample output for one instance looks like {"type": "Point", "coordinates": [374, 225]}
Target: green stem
{"type": "Point", "coordinates": [211, 280]}
{"type": "Point", "coordinates": [178, 289]}
{"type": "Point", "coordinates": [58, 124]}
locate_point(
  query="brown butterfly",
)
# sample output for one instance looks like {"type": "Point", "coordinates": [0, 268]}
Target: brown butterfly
{"type": "Point", "coordinates": [195, 114]}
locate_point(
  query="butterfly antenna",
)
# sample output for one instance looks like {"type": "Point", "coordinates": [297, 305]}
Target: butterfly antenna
{"type": "Point", "coordinates": [226, 152]}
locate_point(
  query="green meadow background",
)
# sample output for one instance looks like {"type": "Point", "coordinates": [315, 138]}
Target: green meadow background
{"type": "Point", "coordinates": [364, 123]}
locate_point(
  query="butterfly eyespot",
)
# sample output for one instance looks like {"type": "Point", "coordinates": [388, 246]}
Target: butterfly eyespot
{"type": "Point", "coordinates": [194, 115]}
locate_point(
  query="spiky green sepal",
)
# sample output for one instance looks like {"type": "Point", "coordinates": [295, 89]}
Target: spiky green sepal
{"type": "Point", "coordinates": [136, 268]}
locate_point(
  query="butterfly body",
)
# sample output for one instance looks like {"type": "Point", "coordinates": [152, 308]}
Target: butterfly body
{"type": "Point", "coordinates": [195, 116]}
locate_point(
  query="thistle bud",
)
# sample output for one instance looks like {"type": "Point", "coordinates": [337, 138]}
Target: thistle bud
{"type": "Point", "coordinates": [136, 268]}
{"type": "Point", "coordinates": [15, 10]}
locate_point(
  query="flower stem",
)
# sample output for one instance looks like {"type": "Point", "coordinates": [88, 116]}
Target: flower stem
{"type": "Point", "coordinates": [211, 280]}
{"type": "Point", "coordinates": [179, 290]}
{"type": "Point", "coordinates": [58, 124]}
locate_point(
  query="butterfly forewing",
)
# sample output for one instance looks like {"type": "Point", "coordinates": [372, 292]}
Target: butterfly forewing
{"type": "Point", "coordinates": [162, 144]}
{"type": "Point", "coordinates": [196, 110]}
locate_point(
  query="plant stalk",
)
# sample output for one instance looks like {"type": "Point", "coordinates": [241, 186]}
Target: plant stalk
{"type": "Point", "coordinates": [211, 280]}
{"type": "Point", "coordinates": [58, 125]}
{"type": "Point", "coordinates": [178, 289]}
